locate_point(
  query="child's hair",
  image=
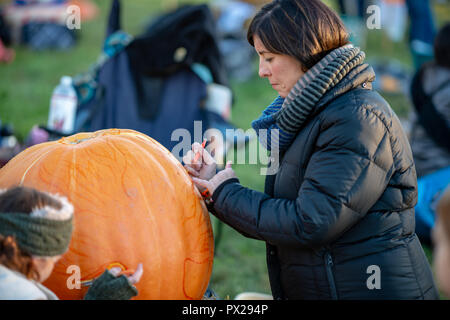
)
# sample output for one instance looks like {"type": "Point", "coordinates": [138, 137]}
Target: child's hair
{"type": "Point", "coordinates": [442, 46]}
{"type": "Point", "coordinates": [443, 212]}
{"type": "Point", "coordinates": [21, 200]}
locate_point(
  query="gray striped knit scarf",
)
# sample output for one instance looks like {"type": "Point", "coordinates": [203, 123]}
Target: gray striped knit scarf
{"type": "Point", "coordinates": [285, 117]}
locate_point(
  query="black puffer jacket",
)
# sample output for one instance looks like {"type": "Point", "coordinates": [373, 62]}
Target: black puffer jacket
{"type": "Point", "coordinates": [339, 214]}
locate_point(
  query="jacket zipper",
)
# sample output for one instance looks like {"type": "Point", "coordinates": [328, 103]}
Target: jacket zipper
{"type": "Point", "coordinates": [329, 265]}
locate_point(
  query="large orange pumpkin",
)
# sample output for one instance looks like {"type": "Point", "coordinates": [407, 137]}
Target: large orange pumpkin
{"type": "Point", "coordinates": [134, 202]}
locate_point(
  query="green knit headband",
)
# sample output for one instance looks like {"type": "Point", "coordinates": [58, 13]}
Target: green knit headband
{"type": "Point", "coordinates": [36, 235]}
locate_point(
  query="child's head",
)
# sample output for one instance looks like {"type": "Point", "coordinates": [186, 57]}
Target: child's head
{"type": "Point", "coordinates": [35, 230]}
{"type": "Point", "coordinates": [442, 46]}
{"type": "Point", "coordinates": [441, 239]}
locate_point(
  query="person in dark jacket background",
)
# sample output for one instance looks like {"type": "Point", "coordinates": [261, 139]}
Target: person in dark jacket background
{"type": "Point", "coordinates": [430, 117]}
{"type": "Point", "coordinates": [337, 215]}
{"type": "Point", "coordinates": [430, 131]}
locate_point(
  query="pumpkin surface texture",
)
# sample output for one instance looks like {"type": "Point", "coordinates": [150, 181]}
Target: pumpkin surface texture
{"type": "Point", "coordinates": [134, 202]}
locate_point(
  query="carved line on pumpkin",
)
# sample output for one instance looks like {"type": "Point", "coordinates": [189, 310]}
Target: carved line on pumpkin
{"type": "Point", "coordinates": [84, 136]}
{"type": "Point", "coordinates": [124, 271]}
{"type": "Point", "coordinates": [138, 135]}
{"type": "Point", "coordinates": [206, 260]}
{"type": "Point", "coordinates": [34, 162]}
{"type": "Point", "coordinates": [148, 138]}
{"type": "Point", "coordinates": [163, 151]}
{"type": "Point", "coordinates": [160, 167]}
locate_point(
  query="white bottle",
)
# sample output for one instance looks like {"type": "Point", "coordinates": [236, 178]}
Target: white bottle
{"type": "Point", "coordinates": [63, 105]}
{"type": "Point", "coordinates": [219, 99]}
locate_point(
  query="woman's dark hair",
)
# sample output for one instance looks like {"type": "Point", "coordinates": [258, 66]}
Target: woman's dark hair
{"type": "Point", "coordinates": [304, 29]}
{"type": "Point", "coordinates": [21, 200]}
{"type": "Point", "coordinates": [442, 46]}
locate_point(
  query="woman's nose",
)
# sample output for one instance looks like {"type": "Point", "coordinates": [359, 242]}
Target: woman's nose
{"type": "Point", "coordinates": [263, 70]}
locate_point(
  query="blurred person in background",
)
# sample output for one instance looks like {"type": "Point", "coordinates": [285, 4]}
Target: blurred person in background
{"type": "Point", "coordinates": [430, 131]}
{"type": "Point", "coordinates": [338, 215]}
{"type": "Point", "coordinates": [422, 31]}
{"type": "Point", "coordinates": [430, 93]}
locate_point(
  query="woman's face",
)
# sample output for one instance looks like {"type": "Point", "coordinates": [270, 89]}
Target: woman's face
{"type": "Point", "coordinates": [441, 257]}
{"type": "Point", "coordinates": [281, 70]}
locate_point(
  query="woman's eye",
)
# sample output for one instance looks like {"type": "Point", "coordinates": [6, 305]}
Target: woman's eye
{"type": "Point", "coordinates": [268, 59]}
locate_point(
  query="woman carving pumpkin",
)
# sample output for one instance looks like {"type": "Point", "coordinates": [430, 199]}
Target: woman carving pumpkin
{"type": "Point", "coordinates": [338, 215]}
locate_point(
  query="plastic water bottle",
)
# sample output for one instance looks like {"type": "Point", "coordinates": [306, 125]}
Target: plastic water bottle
{"type": "Point", "coordinates": [63, 105]}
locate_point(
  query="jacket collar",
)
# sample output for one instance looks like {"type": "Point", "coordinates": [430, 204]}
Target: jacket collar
{"type": "Point", "coordinates": [361, 76]}
{"type": "Point", "coordinates": [330, 75]}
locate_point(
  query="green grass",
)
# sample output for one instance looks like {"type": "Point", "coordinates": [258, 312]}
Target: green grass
{"type": "Point", "coordinates": [26, 86]}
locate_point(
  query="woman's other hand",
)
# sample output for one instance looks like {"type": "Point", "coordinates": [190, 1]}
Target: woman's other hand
{"type": "Point", "coordinates": [212, 184]}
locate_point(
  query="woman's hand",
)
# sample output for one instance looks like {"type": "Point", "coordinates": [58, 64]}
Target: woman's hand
{"type": "Point", "coordinates": [212, 184]}
{"type": "Point", "coordinates": [199, 163]}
